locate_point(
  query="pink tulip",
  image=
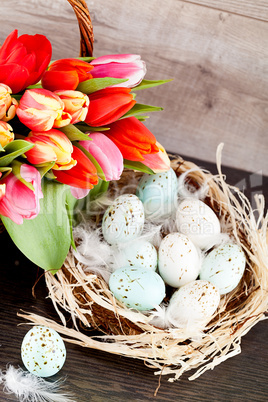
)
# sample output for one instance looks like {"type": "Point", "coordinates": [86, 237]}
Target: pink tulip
{"type": "Point", "coordinates": [75, 103]}
{"type": "Point", "coordinates": [19, 201]}
{"type": "Point", "coordinates": [128, 66]}
{"type": "Point", "coordinates": [79, 193]}
{"type": "Point", "coordinates": [106, 154]}
{"type": "Point", "coordinates": [51, 145]}
{"type": "Point", "coordinates": [40, 110]}
{"type": "Point", "coordinates": [6, 133]}
{"type": "Point", "coordinates": [158, 162]}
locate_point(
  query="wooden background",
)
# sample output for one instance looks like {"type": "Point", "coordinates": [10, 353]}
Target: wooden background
{"type": "Point", "coordinates": [216, 51]}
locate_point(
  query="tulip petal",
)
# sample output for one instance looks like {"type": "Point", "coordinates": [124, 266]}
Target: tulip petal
{"type": "Point", "coordinates": [14, 75]}
{"type": "Point", "coordinates": [79, 193]}
{"type": "Point", "coordinates": [58, 80]}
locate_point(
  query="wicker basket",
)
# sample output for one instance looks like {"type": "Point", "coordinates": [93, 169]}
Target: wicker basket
{"type": "Point", "coordinates": [86, 297]}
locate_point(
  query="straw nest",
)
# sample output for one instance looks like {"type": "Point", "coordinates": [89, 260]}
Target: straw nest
{"type": "Point", "coordinates": [86, 296]}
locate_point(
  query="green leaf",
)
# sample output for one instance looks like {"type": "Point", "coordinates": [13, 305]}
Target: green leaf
{"type": "Point", "coordinates": [46, 239]}
{"type": "Point", "coordinates": [149, 84]}
{"type": "Point", "coordinates": [95, 84]}
{"type": "Point", "coordinates": [2, 149]}
{"type": "Point", "coordinates": [5, 171]}
{"type": "Point", "coordinates": [73, 133]}
{"type": "Point", "coordinates": [139, 108]}
{"type": "Point", "coordinates": [71, 201]}
{"type": "Point", "coordinates": [17, 96]}
{"type": "Point", "coordinates": [85, 127]}
{"type": "Point", "coordinates": [13, 150]}
{"type": "Point", "coordinates": [142, 118]}
{"type": "Point", "coordinates": [16, 171]}
{"type": "Point", "coordinates": [38, 85]}
{"type": "Point", "coordinates": [98, 190]}
{"type": "Point", "coordinates": [93, 160]}
{"type": "Point", "coordinates": [45, 168]}
{"type": "Point", "coordinates": [137, 166]}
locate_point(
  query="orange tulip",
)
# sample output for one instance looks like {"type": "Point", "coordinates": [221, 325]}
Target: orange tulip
{"type": "Point", "coordinates": [8, 105]}
{"type": "Point", "coordinates": [50, 146]}
{"type": "Point", "coordinates": [40, 110]}
{"type": "Point", "coordinates": [82, 175]}
{"type": "Point", "coordinates": [66, 74]}
{"type": "Point", "coordinates": [108, 105]}
{"type": "Point", "coordinates": [75, 103]}
{"type": "Point", "coordinates": [6, 133]}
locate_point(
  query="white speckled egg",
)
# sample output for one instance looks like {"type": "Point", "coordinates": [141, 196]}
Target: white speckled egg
{"type": "Point", "coordinates": [193, 304]}
{"type": "Point", "coordinates": [178, 260]}
{"type": "Point", "coordinates": [158, 193]}
{"type": "Point", "coordinates": [42, 351]}
{"type": "Point", "coordinates": [123, 221]}
{"type": "Point", "coordinates": [224, 267]}
{"type": "Point", "coordinates": [198, 221]}
{"type": "Point", "coordinates": [141, 253]}
{"type": "Point", "coordinates": [137, 288]}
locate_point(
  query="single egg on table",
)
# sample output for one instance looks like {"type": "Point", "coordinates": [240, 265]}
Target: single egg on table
{"type": "Point", "coordinates": [137, 288]}
{"type": "Point", "coordinates": [198, 221]}
{"type": "Point", "coordinates": [43, 351]}
{"type": "Point", "coordinates": [178, 260]}
{"type": "Point", "coordinates": [123, 221]}
{"type": "Point", "coordinates": [193, 304]}
{"type": "Point", "coordinates": [224, 267]}
{"type": "Point", "coordinates": [158, 193]}
{"type": "Point", "coordinates": [140, 253]}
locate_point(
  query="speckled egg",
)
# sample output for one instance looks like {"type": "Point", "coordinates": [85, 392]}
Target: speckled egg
{"type": "Point", "coordinates": [123, 221]}
{"type": "Point", "coordinates": [178, 260]}
{"type": "Point", "coordinates": [198, 221]}
{"type": "Point", "coordinates": [193, 304]}
{"type": "Point", "coordinates": [224, 267]}
{"type": "Point", "coordinates": [158, 193]}
{"type": "Point", "coordinates": [141, 253]}
{"type": "Point", "coordinates": [137, 288]}
{"type": "Point", "coordinates": [42, 351]}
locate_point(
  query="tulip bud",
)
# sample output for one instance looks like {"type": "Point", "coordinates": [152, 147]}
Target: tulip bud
{"type": "Point", "coordinates": [20, 202]}
{"type": "Point", "coordinates": [6, 133]}
{"type": "Point", "coordinates": [128, 66]}
{"type": "Point", "coordinates": [108, 105]}
{"type": "Point", "coordinates": [158, 162]}
{"type": "Point", "coordinates": [133, 139]}
{"type": "Point", "coordinates": [40, 110]}
{"type": "Point", "coordinates": [83, 175]}
{"type": "Point", "coordinates": [50, 146]}
{"type": "Point", "coordinates": [75, 103]}
{"type": "Point", "coordinates": [66, 74]}
{"type": "Point", "coordinates": [106, 154]}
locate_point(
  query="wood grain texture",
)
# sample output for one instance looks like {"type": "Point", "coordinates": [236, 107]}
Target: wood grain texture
{"type": "Point", "coordinates": [249, 8]}
{"type": "Point", "coordinates": [218, 60]}
{"type": "Point", "coordinates": [94, 376]}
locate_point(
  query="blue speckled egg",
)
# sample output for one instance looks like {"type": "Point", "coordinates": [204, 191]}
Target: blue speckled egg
{"type": "Point", "coordinates": [137, 288]}
{"type": "Point", "coordinates": [158, 193]}
{"type": "Point", "coordinates": [140, 253]}
{"type": "Point", "coordinates": [123, 221]}
{"type": "Point", "coordinates": [42, 351]}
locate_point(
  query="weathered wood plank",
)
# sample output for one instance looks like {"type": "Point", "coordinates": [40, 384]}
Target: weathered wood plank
{"type": "Point", "coordinates": [219, 63]}
{"type": "Point", "coordinates": [257, 9]}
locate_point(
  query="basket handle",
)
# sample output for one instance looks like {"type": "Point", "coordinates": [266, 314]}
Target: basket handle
{"type": "Point", "coordinates": [85, 26]}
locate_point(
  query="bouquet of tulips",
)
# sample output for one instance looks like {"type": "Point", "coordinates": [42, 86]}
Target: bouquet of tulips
{"type": "Point", "coordinates": [67, 128]}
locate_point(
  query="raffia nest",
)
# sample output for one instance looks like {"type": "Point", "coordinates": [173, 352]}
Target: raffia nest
{"type": "Point", "coordinates": [86, 296]}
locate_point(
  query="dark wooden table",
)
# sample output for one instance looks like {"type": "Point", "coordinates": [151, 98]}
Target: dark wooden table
{"type": "Point", "coordinates": [98, 376]}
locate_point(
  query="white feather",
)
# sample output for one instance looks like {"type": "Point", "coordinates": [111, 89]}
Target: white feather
{"type": "Point", "coordinates": [29, 388]}
{"type": "Point", "coordinates": [185, 190]}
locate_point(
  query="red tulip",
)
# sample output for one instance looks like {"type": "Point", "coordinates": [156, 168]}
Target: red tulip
{"type": "Point", "coordinates": [23, 60]}
{"type": "Point", "coordinates": [133, 139]}
{"type": "Point", "coordinates": [82, 175]}
{"type": "Point", "coordinates": [158, 162]}
{"type": "Point", "coordinates": [20, 202]}
{"type": "Point", "coordinates": [40, 110]}
{"type": "Point", "coordinates": [108, 105]}
{"type": "Point", "coordinates": [66, 74]}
